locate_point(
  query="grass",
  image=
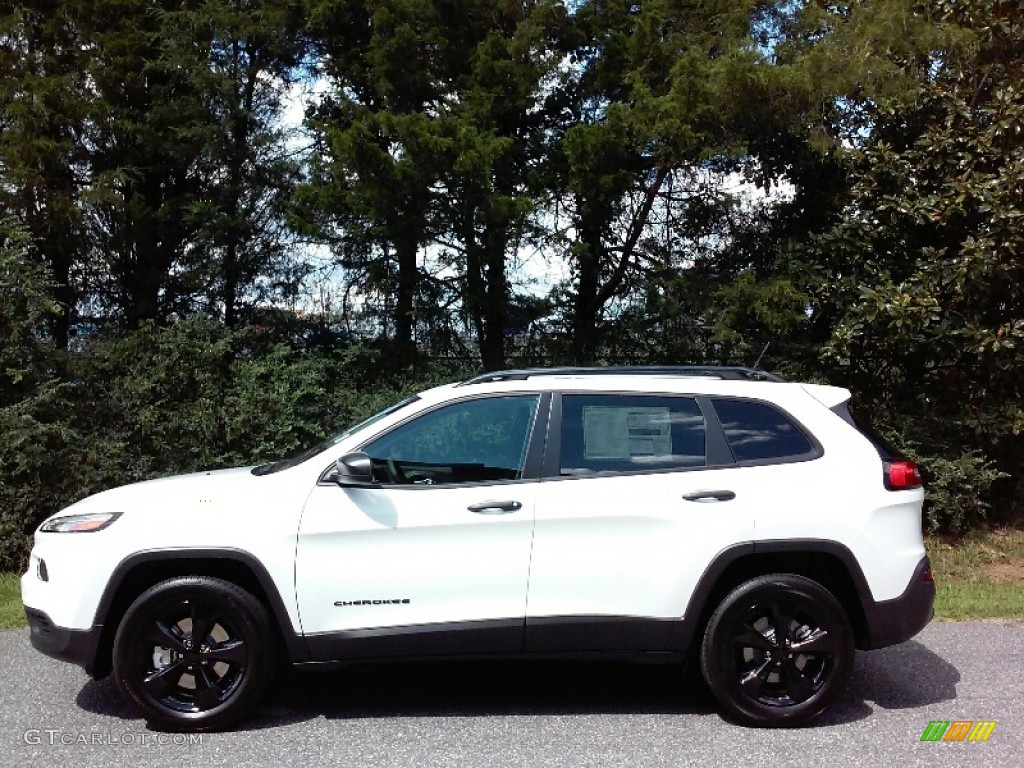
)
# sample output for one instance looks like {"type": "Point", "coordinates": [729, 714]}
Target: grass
{"type": "Point", "coordinates": [12, 614]}
{"type": "Point", "coordinates": [979, 576]}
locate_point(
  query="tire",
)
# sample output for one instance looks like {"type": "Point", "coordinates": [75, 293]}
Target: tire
{"type": "Point", "coordinates": [755, 671]}
{"type": "Point", "coordinates": [181, 681]}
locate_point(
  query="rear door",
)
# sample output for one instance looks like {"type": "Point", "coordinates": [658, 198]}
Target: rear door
{"type": "Point", "coordinates": [639, 495]}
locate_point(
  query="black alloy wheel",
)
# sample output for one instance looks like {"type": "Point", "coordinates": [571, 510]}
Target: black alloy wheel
{"type": "Point", "coordinates": [777, 651]}
{"type": "Point", "coordinates": [194, 653]}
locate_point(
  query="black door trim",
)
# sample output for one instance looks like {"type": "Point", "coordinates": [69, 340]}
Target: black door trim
{"type": "Point", "coordinates": [498, 636]}
{"type": "Point", "coordinates": [570, 634]}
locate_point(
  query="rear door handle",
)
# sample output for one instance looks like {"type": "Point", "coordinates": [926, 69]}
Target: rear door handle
{"type": "Point", "coordinates": [495, 507]}
{"type": "Point", "coordinates": [706, 496]}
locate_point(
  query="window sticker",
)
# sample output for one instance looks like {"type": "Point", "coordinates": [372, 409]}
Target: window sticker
{"type": "Point", "coordinates": [625, 433]}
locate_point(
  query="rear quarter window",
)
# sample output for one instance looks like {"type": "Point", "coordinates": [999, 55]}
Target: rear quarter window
{"type": "Point", "coordinates": [886, 450]}
{"type": "Point", "coordinates": [761, 432]}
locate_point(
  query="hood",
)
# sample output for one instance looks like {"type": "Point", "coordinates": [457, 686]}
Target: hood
{"type": "Point", "coordinates": [194, 488]}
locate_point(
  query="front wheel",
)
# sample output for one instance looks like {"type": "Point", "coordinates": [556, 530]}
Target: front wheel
{"type": "Point", "coordinates": [777, 651]}
{"type": "Point", "coordinates": [194, 653]}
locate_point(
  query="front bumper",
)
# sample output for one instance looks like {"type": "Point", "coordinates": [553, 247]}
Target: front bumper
{"type": "Point", "coordinates": [889, 622]}
{"type": "Point", "coordinates": [77, 646]}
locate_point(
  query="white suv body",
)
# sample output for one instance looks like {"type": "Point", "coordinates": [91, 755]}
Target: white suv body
{"type": "Point", "coordinates": [545, 511]}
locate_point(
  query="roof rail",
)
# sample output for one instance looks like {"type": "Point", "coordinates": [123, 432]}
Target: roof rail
{"type": "Point", "coordinates": [736, 373]}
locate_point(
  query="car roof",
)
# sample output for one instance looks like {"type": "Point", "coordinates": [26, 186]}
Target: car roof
{"type": "Point", "coordinates": [725, 372]}
{"type": "Point", "coordinates": [665, 379]}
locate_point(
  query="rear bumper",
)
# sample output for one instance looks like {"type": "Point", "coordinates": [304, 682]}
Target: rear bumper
{"type": "Point", "coordinates": [77, 646]}
{"type": "Point", "coordinates": [889, 622]}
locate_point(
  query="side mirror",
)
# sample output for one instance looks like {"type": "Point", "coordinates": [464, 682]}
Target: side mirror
{"type": "Point", "coordinates": [354, 469]}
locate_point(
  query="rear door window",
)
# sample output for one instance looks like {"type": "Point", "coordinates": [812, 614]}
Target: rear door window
{"type": "Point", "coordinates": [760, 432]}
{"type": "Point", "coordinates": [630, 433]}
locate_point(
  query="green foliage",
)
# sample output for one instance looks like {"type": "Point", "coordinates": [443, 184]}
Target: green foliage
{"type": "Point", "coordinates": [33, 403]}
{"type": "Point", "coordinates": [197, 395]}
{"type": "Point", "coordinates": [927, 276]}
{"type": "Point", "coordinates": [748, 313]}
{"type": "Point", "coordinates": [433, 129]}
{"type": "Point", "coordinates": [141, 148]}
{"type": "Point", "coordinates": [167, 400]}
{"type": "Point", "coordinates": [958, 480]}
{"type": "Point", "coordinates": [44, 105]}
{"type": "Point", "coordinates": [958, 489]}
{"type": "Point", "coordinates": [148, 178]}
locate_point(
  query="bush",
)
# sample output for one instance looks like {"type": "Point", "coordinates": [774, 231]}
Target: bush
{"type": "Point", "coordinates": [957, 491]}
{"type": "Point", "coordinates": [958, 482]}
{"type": "Point", "coordinates": [33, 409]}
{"type": "Point", "coordinates": [167, 400]}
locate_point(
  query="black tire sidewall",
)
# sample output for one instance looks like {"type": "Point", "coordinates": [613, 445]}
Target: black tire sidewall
{"type": "Point", "coordinates": [716, 650]}
{"type": "Point", "coordinates": [248, 618]}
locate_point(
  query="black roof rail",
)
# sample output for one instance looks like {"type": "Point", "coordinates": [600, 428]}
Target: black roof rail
{"type": "Point", "coordinates": [736, 373]}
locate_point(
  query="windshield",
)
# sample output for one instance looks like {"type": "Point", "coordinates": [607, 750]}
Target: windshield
{"type": "Point", "coordinates": [277, 466]}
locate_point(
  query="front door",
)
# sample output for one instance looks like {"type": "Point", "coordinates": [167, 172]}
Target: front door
{"type": "Point", "coordinates": [435, 558]}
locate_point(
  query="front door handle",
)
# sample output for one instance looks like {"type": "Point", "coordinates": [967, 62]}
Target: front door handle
{"type": "Point", "coordinates": [495, 507]}
{"type": "Point", "coordinates": [706, 496]}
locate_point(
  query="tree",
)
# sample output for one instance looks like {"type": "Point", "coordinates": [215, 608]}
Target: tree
{"type": "Point", "coordinates": [433, 132]}
{"type": "Point", "coordinates": [801, 96]}
{"type": "Point", "coordinates": [374, 182]}
{"type": "Point", "coordinates": [44, 108]}
{"type": "Point", "coordinates": [654, 97]}
{"type": "Point", "coordinates": [141, 150]}
{"type": "Point", "coordinates": [249, 56]}
{"type": "Point", "coordinates": [499, 113]}
{"type": "Point", "coordinates": [146, 147]}
{"type": "Point", "coordinates": [931, 297]}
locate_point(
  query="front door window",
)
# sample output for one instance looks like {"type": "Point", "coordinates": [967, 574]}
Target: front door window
{"type": "Point", "coordinates": [483, 440]}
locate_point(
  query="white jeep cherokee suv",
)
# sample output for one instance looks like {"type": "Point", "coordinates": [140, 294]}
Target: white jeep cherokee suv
{"type": "Point", "coordinates": [634, 511]}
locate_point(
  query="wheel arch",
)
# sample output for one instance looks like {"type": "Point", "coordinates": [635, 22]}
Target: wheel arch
{"type": "Point", "coordinates": [141, 570]}
{"type": "Point", "coordinates": [829, 563]}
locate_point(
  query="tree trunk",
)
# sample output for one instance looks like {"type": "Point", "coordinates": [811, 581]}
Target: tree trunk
{"type": "Point", "coordinates": [229, 293]}
{"type": "Point", "coordinates": [64, 293]}
{"type": "Point", "coordinates": [591, 294]}
{"type": "Point", "coordinates": [495, 309]}
{"type": "Point", "coordinates": [406, 248]}
{"type": "Point", "coordinates": [241, 133]}
{"type": "Point", "coordinates": [589, 255]}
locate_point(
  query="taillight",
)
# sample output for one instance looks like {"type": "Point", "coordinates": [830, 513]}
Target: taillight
{"type": "Point", "coordinates": [901, 474]}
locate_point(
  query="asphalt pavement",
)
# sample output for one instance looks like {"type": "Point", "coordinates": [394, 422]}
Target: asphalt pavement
{"type": "Point", "coordinates": [477, 715]}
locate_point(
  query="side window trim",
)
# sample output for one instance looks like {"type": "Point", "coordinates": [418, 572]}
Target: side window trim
{"type": "Point", "coordinates": [719, 453]}
{"type": "Point", "coordinates": [553, 445]}
{"type": "Point", "coordinates": [538, 434]}
{"type": "Point", "coordinates": [534, 450]}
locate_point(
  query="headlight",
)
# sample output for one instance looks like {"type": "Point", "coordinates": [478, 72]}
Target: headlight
{"type": "Point", "coordinates": [96, 521]}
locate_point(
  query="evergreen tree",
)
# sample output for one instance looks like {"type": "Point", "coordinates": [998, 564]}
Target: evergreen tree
{"type": "Point", "coordinates": [44, 114]}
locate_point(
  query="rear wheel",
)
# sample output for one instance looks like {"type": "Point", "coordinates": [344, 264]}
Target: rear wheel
{"type": "Point", "coordinates": [778, 650]}
{"type": "Point", "coordinates": [194, 653]}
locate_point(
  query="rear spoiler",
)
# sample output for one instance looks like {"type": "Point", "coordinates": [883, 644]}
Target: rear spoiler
{"type": "Point", "coordinates": [827, 395]}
